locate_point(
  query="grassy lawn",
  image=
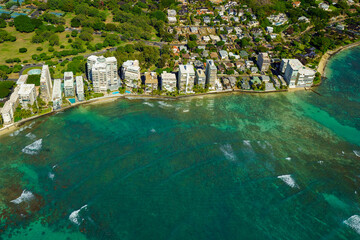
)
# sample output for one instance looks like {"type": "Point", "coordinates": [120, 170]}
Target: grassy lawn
{"type": "Point", "coordinates": [11, 49]}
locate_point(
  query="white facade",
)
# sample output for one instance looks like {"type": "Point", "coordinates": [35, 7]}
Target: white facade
{"type": "Point", "coordinates": [200, 78]}
{"type": "Point", "coordinates": [130, 71]}
{"type": "Point", "coordinates": [57, 94]}
{"type": "Point", "coordinates": [27, 95]}
{"type": "Point", "coordinates": [211, 73]}
{"type": "Point", "coordinates": [69, 88]}
{"type": "Point", "coordinates": [80, 88]}
{"type": "Point", "coordinates": [186, 78]}
{"type": "Point", "coordinates": [22, 79]}
{"type": "Point", "coordinates": [8, 110]}
{"type": "Point", "coordinates": [45, 83]}
{"type": "Point", "coordinates": [103, 73]}
{"type": "Point", "coordinates": [297, 75]}
{"type": "Point", "coordinates": [168, 81]}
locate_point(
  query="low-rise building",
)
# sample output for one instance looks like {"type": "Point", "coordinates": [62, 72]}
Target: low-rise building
{"type": "Point", "coordinates": [27, 95]}
{"type": "Point", "coordinates": [57, 94]}
{"type": "Point", "coordinates": [80, 88]}
{"type": "Point", "coordinates": [151, 81]}
{"type": "Point", "coordinates": [168, 81]}
{"type": "Point", "coordinates": [223, 54]}
{"type": "Point", "coordinates": [69, 88]}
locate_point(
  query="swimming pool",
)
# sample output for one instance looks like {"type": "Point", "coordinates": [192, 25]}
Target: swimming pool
{"type": "Point", "coordinates": [115, 92]}
{"type": "Point", "coordinates": [127, 91]}
{"type": "Point", "coordinates": [34, 71]}
{"type": "Point", "coordinates": [72, 100]}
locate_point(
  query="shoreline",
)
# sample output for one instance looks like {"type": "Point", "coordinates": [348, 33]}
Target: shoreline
{"type": "Point", "coordinates": [106, 99]}
{"type": "Point", "coordinates": [329, 54]}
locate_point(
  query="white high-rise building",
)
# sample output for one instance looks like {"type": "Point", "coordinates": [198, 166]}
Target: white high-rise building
{"type": "Point", "coordinates": [297, 75]}
{"type": "Point", "coordinates": [27, 95]}
{"type": "Point", "coordinates": [69, 88]}
{"type": "Point", "coordinates": [186, 78]}
{"type": "Point", "coordinates": [103, 73]}
{"type": "Point", "coordinates": [45, 83]}
{"type": "Point", "coordinates": [57, 95]}
{"type": "Point", "coordinates": [200, 78]}
{"type": "Point", "coordinates": [211, 73]}
{"type": "Point", "coordinates": [9, 107]}
{"type": "Point", "coordinates": [130, 71]}
{"type": "Point", "coordinates": [80, 88]}
{"type": "Point", "coordinates": [168, 81]}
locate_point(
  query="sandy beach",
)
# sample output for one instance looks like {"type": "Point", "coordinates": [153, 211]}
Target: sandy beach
{"type": "Point", "coordinates": [326, 57]}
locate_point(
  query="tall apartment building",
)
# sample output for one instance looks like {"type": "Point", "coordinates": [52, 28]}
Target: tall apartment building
{"type": "Point", "coordinates": [27, 95]}
{"type": "Point", "coordinates": [211, 73]}
{"type": "Point", "coordinates": [283, 65]}
{"type": "Point", "coordinates": [103, 73]}
{"type": "Point", "coordinates": [151, 81]}
{"type": "Point", "coordinates": [69, 88]}
{"type": "Point", "coordinates": [263, 62]}
{"type": "Point", "coordinates": [186, 78]}
{"type": "Point", "coordinates": [200, 78]}
{"type": "Point", "coordinates": [130, 71]}
{"type": "Point", "coordinates": [168, 81]}
{"type": "Point", "coordinates": [8, 110]}
{"type": "Point", "coordinates": [297, 75]}
{"type": "Point", "coordinates": [80, 88]}
{"type": "Point", "coordinates": [45, 83]}
{"type": "Point", "coordinates": [57, 94]}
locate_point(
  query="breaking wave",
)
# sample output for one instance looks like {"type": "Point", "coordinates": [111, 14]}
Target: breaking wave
{"type": "Point", "coordinates": [228, 152]}
{"type": "Point", "coordinates": [288, 180]}
{"type": "Point", "coordinates": [164, 104]}
{"type": "Point", "coordinates": [31, 136]}
{"type": "Point", "coordinates": [357, 153]}
{"type": "Point", "coordinates": [354, 223]}
{"type": "Point", "coordinates": [75, 216]}
{"type": "Point", "coordinates": [24, 197]}
{"type": "Point", "coordinates": [149, 104]}
{"type": "Point", "coordinates": [33, 148]}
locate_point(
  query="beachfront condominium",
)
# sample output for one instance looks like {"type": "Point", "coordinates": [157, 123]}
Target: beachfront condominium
{"type": "Point", "coordinates": [130, 72]}
{"type": "Point", "coordinates": [211, 73]}
{"type": "Point", "coordinates": [168, 81]}
{"type": "Point", "coordinates": [297, 75]}
{"type": "Point", "coordinates": [69, 88]}
{"type": "Point", "coordinates": [27, 95]}
{"type": "Point", "coordinates": [57, 95]}
{"type": "Point", "coordinates": [80, 88]}
{"type": "Point", "coordinates": [186, 78]}
{"type": "Point", "coordinates": [45, 83]}
{"type": "Point", "coordinates": [9, 107]}
{"type": "Point", "coordinates": [200, 78]}
{"type": "Point", "coordinates": [263, 62]}
{"type": "Point", "coordinates": [103, 73]}
{"type": "Point", "coordinates": [151, 81]}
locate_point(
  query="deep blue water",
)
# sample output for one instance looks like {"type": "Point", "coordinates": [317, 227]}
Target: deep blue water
{"type": "Point", "coordinates": [240, 166]}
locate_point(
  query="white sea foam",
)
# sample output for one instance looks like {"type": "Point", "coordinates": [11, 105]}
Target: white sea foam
{"type": "Point", "coordinates": [247, 143]}
{"type": "Point", "coordinates": [288, 158]}
{"type": "Point", "coordinates": [288, 180]}
{"type": "Point", "coordinates": [262, 144]}
{"type": "Point", "coordinates": [153, 130]}
{"type": "Point", "coordinates": [321, 162]}
{"type": "Point", "coordinates": [354, 223]}
{"type": "Point", "coordinates": [164, 104]}
{"type": "Point", "coordinates": [33, 148]}
{"type": "Point", "coordinates": [51, 175]}
{"type": "Point", "coordinates": [357, 153]}
{"type": "Point", "coordinates": [54, 166]}
{"type": "Point", "coordinates": [75, 216]}
{"type": "Point", "coordinates": [186, 110]}
{"type": "Point", "coordinates": [24, 197]}
{"type": "Point", "coordinates": [149, 104]}
{"type": "Point", "coordinates": [228, 152]}
{"type": "Point", "coordinates": [31, 136]}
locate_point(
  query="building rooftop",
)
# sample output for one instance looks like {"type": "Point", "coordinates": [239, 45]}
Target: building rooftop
{"type": "Point", "coordinates": [151, 77]}
{"type": "Point", "coordinates": [79, 82]}
{"type": "Point", "coordinates": [25, 89]}
{"type": "Point", "coordinates": [68, 79]}
{"type": "Point", "coordinates": [187, 69]}
{"type": "Point", "coordinates": [56, 89]}
{"type": "Point", "coordinates": [22, 79]}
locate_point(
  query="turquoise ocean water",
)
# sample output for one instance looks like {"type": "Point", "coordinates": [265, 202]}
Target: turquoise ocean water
{"type": "Point", "coordinates": [270, 166]}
